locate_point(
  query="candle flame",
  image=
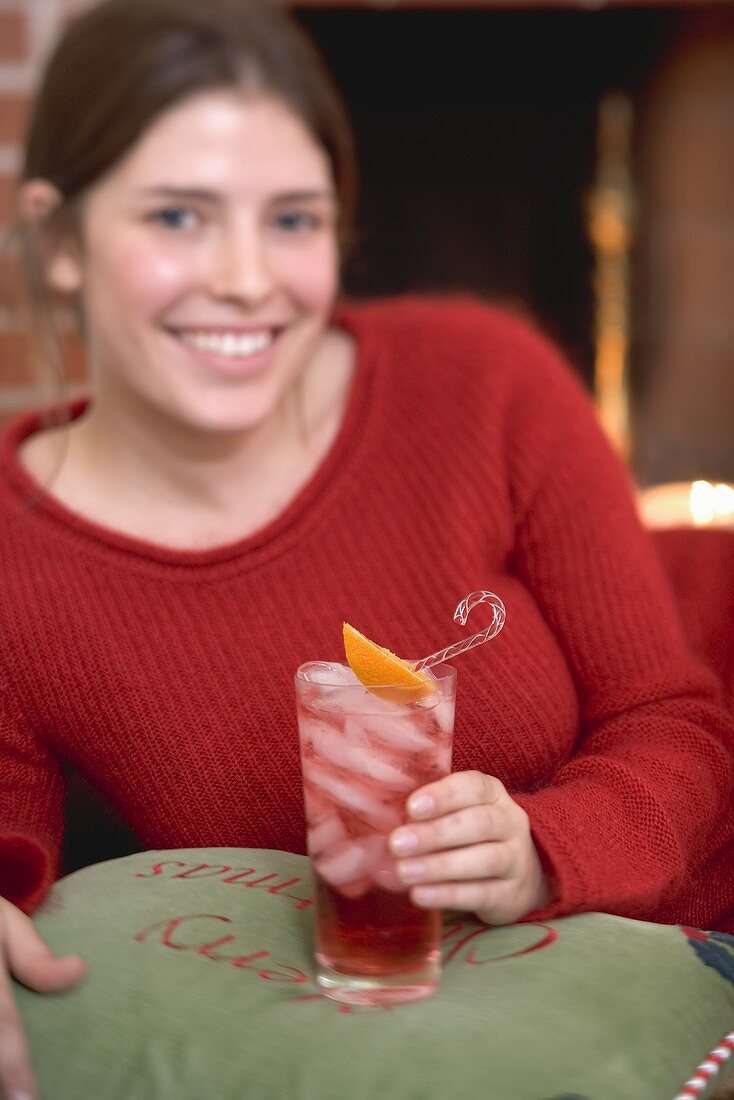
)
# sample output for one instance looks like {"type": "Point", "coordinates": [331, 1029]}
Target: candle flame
{"type": "Point", "coordinates": [710, 503]}
{"type": "Point", "coordinates": [685, 503]}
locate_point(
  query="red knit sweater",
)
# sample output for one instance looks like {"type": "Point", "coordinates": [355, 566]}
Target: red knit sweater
{"type": "Point", "coordinates": [468, 458]}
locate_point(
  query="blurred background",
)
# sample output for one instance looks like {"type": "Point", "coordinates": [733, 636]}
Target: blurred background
{"type": "Point", "coordinates": [573, 159]}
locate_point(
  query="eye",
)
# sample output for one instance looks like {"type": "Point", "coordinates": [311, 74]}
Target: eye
{"type": "Point", "coordinates": [175, 217]}
{"type": "Point", "coordinates": [294, 221]}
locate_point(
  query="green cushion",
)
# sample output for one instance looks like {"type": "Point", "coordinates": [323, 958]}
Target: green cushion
{"type": "Point", "coordinates": [201, 985]}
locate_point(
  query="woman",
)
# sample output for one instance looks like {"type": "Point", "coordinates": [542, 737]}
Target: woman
{"type": "Point", "coordinates": [259, 462]}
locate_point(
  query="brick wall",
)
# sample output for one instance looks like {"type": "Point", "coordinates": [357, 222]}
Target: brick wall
{"type": "Point", "coordinates": [28, 29]}
{"type": "Point", "coordinates": [684, 351]}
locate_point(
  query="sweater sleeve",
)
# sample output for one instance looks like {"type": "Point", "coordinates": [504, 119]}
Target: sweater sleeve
{"type": "Point", "coordinates": [31, 808]}
{"type": "Point", "coordinates": [646, 793]}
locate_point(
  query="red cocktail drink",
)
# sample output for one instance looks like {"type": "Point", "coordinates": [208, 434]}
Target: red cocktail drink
{"type": "Point", "coordinates": [363, 751]}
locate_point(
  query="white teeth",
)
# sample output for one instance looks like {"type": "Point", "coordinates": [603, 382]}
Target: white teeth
{"type": "Point", "coordinates": [229, 344]}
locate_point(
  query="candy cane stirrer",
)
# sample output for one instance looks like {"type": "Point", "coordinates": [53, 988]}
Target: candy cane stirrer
{"type": "Point", "coordinates": [461, 614]}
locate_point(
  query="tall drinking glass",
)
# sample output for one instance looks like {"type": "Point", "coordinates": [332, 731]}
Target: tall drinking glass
{"type": "Point", "coordinates": [363, 751]}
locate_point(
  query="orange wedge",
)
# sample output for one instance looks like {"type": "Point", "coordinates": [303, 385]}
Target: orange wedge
{"type": "Point", "coordinates": [376, 666]}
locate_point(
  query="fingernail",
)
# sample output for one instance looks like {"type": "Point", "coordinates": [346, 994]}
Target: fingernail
{"type": "Point", "coordinates": [421, 805]}
{"type": "Point", "coordinates": [19, 1096]}
{"type": "Point", "coordinates": [404, 843]}
{"type": "Point", "coordinates": [410, 870]}
{"type": "Point", "coordinates": [423, 895]}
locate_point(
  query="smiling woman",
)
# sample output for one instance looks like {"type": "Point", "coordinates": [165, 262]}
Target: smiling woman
{"type": "Point", "coordinates": [198, 230]}
{"type": "Point", "coordinates": [205, 264]}
{"type": "Point", "coordinates": [258, 461]}
{"type": "Point", "coordinates": [203, 302]}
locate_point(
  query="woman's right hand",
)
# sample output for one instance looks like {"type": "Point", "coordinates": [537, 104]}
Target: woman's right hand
{"type": "Point", "coordinates": [25, 956]}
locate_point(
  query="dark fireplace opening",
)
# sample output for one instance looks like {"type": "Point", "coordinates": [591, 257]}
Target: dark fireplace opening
{"type": "Point", "coordinates": [476, 134]}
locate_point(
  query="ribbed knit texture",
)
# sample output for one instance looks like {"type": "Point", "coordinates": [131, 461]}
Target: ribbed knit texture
{"type": "Point", "coordinates": [468, 458]}
{"type": "Point", "coordinates": [699, 563]}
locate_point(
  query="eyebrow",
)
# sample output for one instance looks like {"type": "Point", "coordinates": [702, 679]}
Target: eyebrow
{"type": "Point", "coordinates": [166, 191]}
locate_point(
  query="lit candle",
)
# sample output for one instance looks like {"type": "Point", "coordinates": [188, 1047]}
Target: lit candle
{"type": "Point", "coordinates": [687, 504]}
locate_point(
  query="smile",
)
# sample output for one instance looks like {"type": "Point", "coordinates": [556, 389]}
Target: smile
{"type": "Point", "coordinates": [231, 345]}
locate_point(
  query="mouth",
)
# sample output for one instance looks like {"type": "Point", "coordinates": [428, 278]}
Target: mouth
{"type": "Point", "coordinates": [230, 344]}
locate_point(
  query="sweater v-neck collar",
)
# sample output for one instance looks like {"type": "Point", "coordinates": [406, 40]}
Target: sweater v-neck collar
{"type": "Point", "coordinates": [271, 538]}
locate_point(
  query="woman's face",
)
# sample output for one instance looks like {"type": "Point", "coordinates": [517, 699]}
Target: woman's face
{"type": "Point", "coordinates": [209, 262]}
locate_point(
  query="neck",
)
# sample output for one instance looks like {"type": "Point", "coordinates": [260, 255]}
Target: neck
{"type": "Point", "coordinates": [129, 467]}
{"type": "Point", "coordinates": [168, 462]}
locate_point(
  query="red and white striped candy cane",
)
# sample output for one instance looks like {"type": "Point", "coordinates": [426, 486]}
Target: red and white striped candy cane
{"type": "Point", "coordinates": [713, 1063]}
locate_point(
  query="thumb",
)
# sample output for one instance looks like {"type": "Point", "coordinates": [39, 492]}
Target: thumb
{"type": "Point", "coordinates": [31, 960]}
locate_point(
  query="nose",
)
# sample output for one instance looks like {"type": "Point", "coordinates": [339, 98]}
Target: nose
{"type": "Point", "coordinates": [241, 268]}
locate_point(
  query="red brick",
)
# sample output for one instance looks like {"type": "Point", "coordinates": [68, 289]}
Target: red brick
{"type": "Point", "coordinates": [17, 369]}
{"type": "Point", "coordinates": [13, 36]}
{"type": "Point", "coordinates": [75, 363]}
{"type": "Point", "coordinates": [14, 111]}
{"type": "Point", "coordinates": [8, 189]}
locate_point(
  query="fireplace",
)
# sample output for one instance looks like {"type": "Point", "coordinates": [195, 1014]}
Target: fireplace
{"type": "Point", "coordinates": [490, 141]}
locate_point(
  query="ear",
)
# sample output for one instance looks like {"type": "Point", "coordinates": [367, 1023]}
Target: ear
{"type": "Point", "coordinates": [38, 201]}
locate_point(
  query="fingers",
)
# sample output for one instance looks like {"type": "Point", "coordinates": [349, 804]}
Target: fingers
{"type": "Point", "coordinates": [454, 792]}
{"type": "Point", "coordinates": [16, 1076]}
{"type": "Point", "coordinates": [468, 846]}
{"type": "Point", "coordinates": [494, 902]}
{"type": "Point", "coordinates": [471, 826]}
{"type": "Point", "coordinates": [32, 961]}
{"type": "Point", "coordinates": [479, 861]}
{"type": "Point", "coordinates": [510, 891]}
{"type": "Point", "coordinates": [25, 955]}
{"type": "Point", "coordinates": [466, 808]}
{"type": "Point", "coordinates": [471, 896]}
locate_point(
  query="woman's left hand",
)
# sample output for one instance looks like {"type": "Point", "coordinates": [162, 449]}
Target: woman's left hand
{"type": "Point", "coordinates": [470, 848]}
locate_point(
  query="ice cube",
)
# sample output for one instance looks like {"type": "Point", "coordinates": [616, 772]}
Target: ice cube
{"type": "Point", "coordinates": [443, 715]}
{"type": "Point", "coordinates": [442, 758]}
{"type": "Point", "coordinates": [348, 861]}
{"type": "Point", "coordinates": [385, 875]}
{"type": "Point", "coordinates": [326, 834]}
{"type": "Point", "coordinates": [315, 805]}
{"type": "Point", "coordinates": [331, 687]}
{"type": "Point", "coordinates": [352, 797]}
{"type": "Point", "coordinates": [309, 729]}
{"type": "Point", "coordinates": [328, 673]}
{"type": "Point", "coordinates": [351, 750]}
{"type": "Point", "coordinates": [398, 732]}
{"type": "Point", "coordinates": [363, 701]}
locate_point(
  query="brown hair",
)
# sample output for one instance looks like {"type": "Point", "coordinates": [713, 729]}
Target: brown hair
{"type": "Point", "coordinates": [123, 62]}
